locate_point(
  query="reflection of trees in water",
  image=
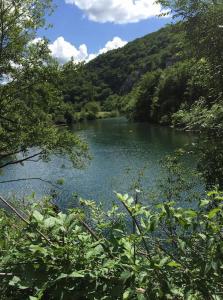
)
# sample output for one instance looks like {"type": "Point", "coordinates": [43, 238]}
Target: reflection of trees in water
{"type": "Point", "coordinates": [209, 150]}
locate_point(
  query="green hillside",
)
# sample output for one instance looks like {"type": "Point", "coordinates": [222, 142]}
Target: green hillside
{"type": "Point", "coordinates": [157, 78]}
{"type": "Point", "coordinates": [116, 72]}
{"type": "Point", "coordinates": [120, 69]}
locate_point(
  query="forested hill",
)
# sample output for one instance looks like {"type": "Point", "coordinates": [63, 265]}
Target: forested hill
{"type": "Point", "coordinates": [157, 78]}
{"type": "Point", "coordinates": [120, 69]}
{"type": "Point", "coordinates": [116, 72]}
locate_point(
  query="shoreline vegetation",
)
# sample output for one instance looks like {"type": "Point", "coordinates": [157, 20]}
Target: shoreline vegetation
{"type": "Point", "coordinates": [77, 117]}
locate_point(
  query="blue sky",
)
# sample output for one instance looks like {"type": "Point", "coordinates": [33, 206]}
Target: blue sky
{"type": "Point", "coordinates": [82, 28]}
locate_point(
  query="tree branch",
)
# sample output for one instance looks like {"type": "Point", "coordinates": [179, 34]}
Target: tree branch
{"type": "Point", "coordinates": [32, 178]}
{"type": "Point", "coordinates": [20, 160]}
{"type": "Point", "coordinates": [2, 156]}
{"type": "Point", "coordinates": [19, 215]}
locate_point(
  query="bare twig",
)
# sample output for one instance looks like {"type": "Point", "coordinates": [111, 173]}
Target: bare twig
{"type": "Point", "coordinates": [20, 160]}
{"type": "Point", "coordinates": [31, 178]}
{"type": "Point", "coordinates": [20, 216]}
{"type": "Point", "coordinates": [138, 227]}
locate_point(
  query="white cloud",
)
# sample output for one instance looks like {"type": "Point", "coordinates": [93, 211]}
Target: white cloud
{"type": "Point", "coordinates": [63, 51]}
{"type": "Point", "coordinates": [114, 44]}
{"type": "Point", "coordinates": [117, 11]}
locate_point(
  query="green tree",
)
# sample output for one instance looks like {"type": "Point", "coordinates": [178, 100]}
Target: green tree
{"type": "Point", "coordinates": [29, 96]}
{"type": "Point", "coordinates": [203, 22]}
{"type": "Point", "coordinates": [170, 90]}
{"type": "Point", "coordinates": [139, 101]}
{"type": "Point", "coordinates": [91, 110]}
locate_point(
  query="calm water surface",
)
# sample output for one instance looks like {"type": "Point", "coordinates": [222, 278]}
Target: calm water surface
{"type": "Point", "coordinates": [119, 150]}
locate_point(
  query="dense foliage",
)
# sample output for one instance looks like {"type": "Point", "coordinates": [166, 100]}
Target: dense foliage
{"type": "Point", "coordinates": [114, 74]}
{"type": "Point", "coordinates": [171, 252]}
{"type": "Point", "coordinates": [30, 101]}
{"type": "Point", "coordinates": [161, 95]}
{"type": "Point", "coordinates": [157, 78]}
{"type": "Point", "coordinates": [202, 24]}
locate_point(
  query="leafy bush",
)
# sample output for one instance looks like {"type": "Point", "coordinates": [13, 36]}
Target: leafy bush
{"type": "Point", "coordinates": [175, 91]}
{"type": "Point", "coordinates": [200, 117]}
{"type": "Point", "coordinates": [171, 252]}
{"type": "Point", "coordinates": [91, 110]}
{"type": "Point", "coordinates": [93, 107]}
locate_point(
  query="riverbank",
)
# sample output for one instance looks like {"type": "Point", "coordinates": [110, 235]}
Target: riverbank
{"type": "Point", "coordinates": [77, 117]}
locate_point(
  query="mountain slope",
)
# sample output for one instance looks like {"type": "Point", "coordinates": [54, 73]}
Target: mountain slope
{"type": "Point", "coordinates": [116, 72]}
{"type": "Point", "coordinates": [156, 78]}
{"type": "Point", "coordinates": [120, 69]}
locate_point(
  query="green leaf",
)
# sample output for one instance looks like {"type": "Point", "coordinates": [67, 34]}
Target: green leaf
{"type": "Point", "coordinates": [219, 198]}
{"type": "Point", "coordinates": [212, 193]}
{"type": "Point", "coordinates": [62, 276]}
{"type": "Point", "coordinates": [50, 222]}
{"type": "Point", "coordinates": [141, 297]}
{"type": "Point", "coordinates": [174, 264]}
{"type": "Point", "coordinates": [126, 295]}
{"type": "Point", "coordinates": [38, 216]}
{"type": "Point", "coordinates": [191, 213]}
{"type": "Point", "coordinates": [37, 248]}
{"type": "Point", "coordinates": [182, 244]}
{"type": "Point", "coordinates": [204, 203]}
{"type": "Point", "coordinates": [14, 281]}
{"type": "Point", "coordinates": [76, 274]}
{"type": "Point", "coordinates": [163, 262]}
{"type": "Point", "coordinates": [213, 213]}
{"type": "Point", "coordinates": [125, 275]}
{"type": "Point", "coordinates": [203, 236]}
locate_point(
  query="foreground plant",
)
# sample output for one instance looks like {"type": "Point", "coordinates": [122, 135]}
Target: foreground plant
{"type": "Point", "coordinates": [130, 252]}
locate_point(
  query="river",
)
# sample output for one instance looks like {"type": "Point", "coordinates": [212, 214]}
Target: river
{"type": "Point", "coordinates": [120, 150]}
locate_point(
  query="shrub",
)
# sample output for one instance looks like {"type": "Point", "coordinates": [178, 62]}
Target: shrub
{"type": "Point", "coordinates": [170, 252]}
{"type": "Point", "coordinates": [200, 117]}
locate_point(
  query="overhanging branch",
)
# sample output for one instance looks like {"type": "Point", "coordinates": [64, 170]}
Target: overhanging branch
{"type": "Point", "coordinates": [32, 178]}
{"type": "Point", "coordinates": [19, 161]}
